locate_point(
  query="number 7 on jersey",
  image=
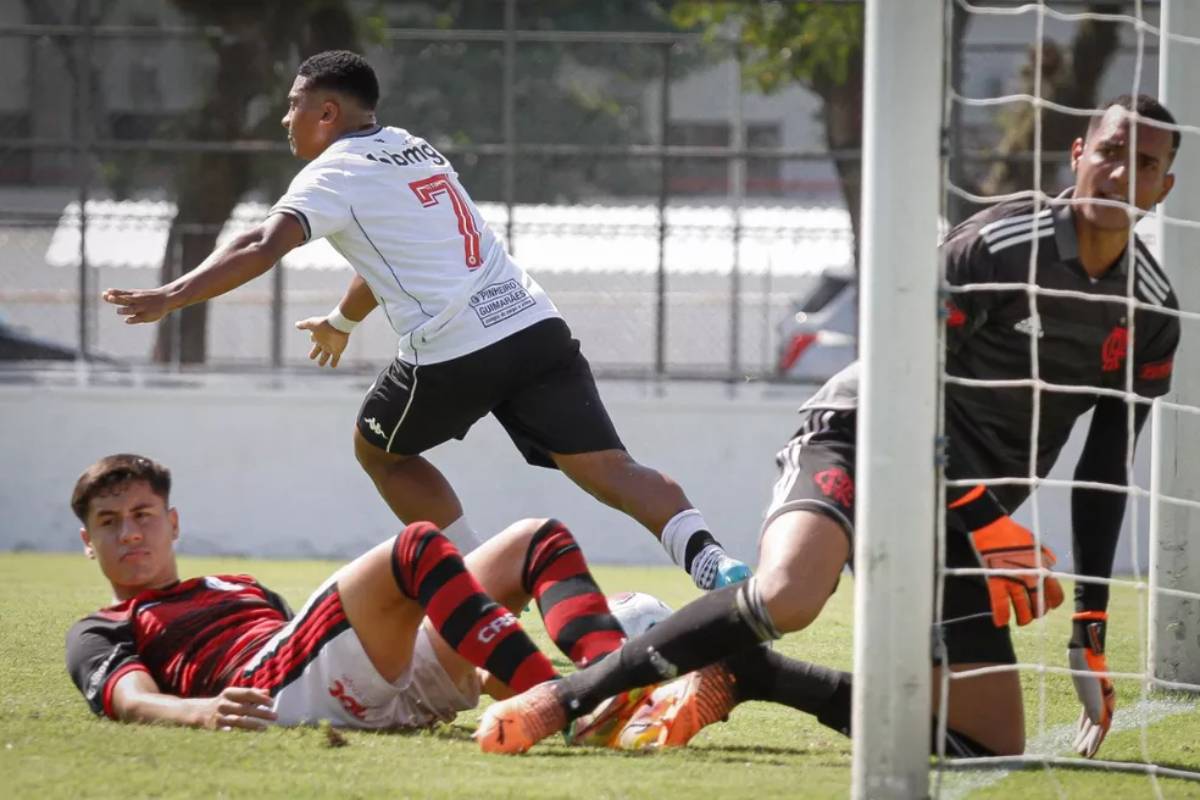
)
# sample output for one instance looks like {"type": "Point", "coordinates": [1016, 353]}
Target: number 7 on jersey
{"type": "Point", "coordinates": [428, 191]}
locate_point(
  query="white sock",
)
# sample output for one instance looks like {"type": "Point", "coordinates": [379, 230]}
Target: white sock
{"type": "Point", "coordinates": [678, 532]}
{"type": "Point", "coordinates": [462, 534]}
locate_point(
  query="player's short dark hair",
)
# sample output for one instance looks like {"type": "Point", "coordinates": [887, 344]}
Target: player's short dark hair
{"type": "Point", "coordinates": [345, 72]}
{"type": "Point", "coordinates": [1145, 106]}
{"type": "Point", "coordinates": [113, 472]}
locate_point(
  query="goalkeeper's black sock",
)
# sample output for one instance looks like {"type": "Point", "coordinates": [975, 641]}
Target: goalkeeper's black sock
{"type": "Point", "coordinates": [701, 633]}
{"type": "Point", "coordinates": [763, 674]}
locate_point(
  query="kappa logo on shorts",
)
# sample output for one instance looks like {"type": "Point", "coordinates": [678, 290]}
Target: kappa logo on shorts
{"type": "Point", "coordinates": [352, 706]}
{"type": "Point", "coordinates": [835, 484]}
{"type": "Point", "coordinates": [490, 631]}
{"type": "Point", "coordinates": [375, 427]}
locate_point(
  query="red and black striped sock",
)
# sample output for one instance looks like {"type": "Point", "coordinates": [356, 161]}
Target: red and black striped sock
{"type": "Point", "coordinates": [429, 569]}
{"type": "Point", "coordinates": [574, 609]}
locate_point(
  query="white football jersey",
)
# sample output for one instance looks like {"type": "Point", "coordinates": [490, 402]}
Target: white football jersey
{"type": "Point", "coordinates": [392, 205]}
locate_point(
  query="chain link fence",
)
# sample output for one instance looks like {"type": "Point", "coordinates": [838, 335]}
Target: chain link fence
{"type": "Point", "coordinates": [676, 217]}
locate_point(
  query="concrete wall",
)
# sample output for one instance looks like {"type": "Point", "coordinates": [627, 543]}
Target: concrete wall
{"type": "Point", "coordinates": [264, 467]}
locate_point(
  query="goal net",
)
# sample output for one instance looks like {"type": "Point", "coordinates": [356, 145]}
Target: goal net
{"type": "Point", "coordinates": [925, 91]}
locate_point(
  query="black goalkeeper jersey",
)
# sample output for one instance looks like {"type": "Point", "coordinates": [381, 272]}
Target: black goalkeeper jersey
{"type": "Point", "coordinates": [1082, 341]}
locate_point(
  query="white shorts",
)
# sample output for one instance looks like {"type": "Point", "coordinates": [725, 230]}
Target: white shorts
{"type": "Point", "coordinates": [316, 670]}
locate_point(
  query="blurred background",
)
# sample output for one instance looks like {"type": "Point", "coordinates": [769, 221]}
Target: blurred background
{"type": "Point", "coordinates": [682, 177]}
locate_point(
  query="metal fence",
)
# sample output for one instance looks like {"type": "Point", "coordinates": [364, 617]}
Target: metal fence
{"type": "Point", "coordinates": [673, 215]}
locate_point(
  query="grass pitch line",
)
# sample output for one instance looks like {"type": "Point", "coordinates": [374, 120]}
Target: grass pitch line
{"type": "Point", "coordinates": [1056, 741]}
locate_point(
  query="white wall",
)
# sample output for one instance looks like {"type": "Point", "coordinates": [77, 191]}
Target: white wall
{"type": "Point", "coordinates": [269, 470]}
{"type": "Point", "coordinates": [264, 466]}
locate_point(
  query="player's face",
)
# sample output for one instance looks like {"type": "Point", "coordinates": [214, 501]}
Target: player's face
{"type": "Point", "coordinates": [310, 120]}
{"type": "Point", "coordinates": [1102, 167]}
{"type": "Point", "coordinates": [132, 533]}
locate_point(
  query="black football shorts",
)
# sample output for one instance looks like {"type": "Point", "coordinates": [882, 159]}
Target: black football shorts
{"type": "Point", "coordinates": [536, 382]}
{"type": "Point", "coordinates": [816, 473]}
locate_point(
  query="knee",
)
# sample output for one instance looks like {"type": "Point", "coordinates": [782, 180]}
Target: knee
{"type": "Point", "coordinates": [792, 605]}
{"type": "Point", "coordinates": [419, 543]}
{"type": "Point", "coordinates": [519, 536]}
{"type": "Point", "coordinates": [1008, 742]}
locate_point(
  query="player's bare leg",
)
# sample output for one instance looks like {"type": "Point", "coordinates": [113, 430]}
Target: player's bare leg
{"type": "Point", "coordinates": [800, 557]}
{"type": "Point", "coordinates": [988, 708]}
{"type": "Point", "coordinates": [420, 574]}
{"type": "Point", "coordinates": [615, 479]}
{"type": "Point", "coordinates": [386, 621]}
{"type": "Point", "coordinates": [413, 488]}
{"type": "Point", "coordinates": [656, 501]}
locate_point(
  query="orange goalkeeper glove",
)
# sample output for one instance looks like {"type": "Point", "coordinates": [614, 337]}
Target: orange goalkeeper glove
{"type": "Point", "coordinates": [1000, 543]}
{"type": "Point", "coordinates": [1095, 690]}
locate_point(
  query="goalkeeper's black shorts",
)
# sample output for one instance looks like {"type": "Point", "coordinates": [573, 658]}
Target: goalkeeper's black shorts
{"type": "Point", "coordinates": [816, 473]}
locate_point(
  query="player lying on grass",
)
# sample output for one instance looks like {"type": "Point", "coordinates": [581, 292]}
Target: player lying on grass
{"type": "Point", "coordinates": [478, 335]}
{"type": "Point", "coordinates": [1086, 344]}
{"type": "Point", "coordinates": [403, 636]}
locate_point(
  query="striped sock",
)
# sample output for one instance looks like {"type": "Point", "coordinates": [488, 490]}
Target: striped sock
{"type": "Point", "coordinates": [429, 569]}
{"type": "Point", "coordinates": [574, 609]}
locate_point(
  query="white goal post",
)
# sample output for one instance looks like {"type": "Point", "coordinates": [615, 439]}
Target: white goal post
{"type": "Point", "coordinates": [898, 290]}
{"type": "Point", "coordinates": [1175, 562]}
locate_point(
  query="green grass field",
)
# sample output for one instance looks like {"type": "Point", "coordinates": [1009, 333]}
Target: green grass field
{"type": "Point", "coordinates": [54, 747]}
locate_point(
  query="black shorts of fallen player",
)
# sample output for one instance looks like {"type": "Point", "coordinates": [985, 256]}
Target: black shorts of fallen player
{"type": "Point", "coordinates": [536, 383]}
{"type": "Point", "coordinates": [817, 473]}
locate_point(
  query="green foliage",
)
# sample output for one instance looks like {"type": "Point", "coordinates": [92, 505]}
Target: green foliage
{"type": "Point", "coordinates": [814, 44]}
{"type": "Point", "coordinates": [565, 94]}
{"type": "Point", "coordinates": [51, 746]}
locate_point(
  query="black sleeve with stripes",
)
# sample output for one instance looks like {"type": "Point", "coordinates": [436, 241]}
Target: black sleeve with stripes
{"type": "Point", "coordinates": [1155, 341]}
{"type": "Point", "coordinates": [97, 650]}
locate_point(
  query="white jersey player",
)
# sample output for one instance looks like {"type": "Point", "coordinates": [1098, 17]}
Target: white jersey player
{"type": "Point", "coordinates": [392, 205]}
{"type": "Point", "coordinates": [477, 334]}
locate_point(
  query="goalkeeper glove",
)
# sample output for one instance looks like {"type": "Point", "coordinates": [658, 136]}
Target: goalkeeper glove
{"type": "Point", "coordinates": [1000, 543]}
{"type": "Point", "coordinates": [1095, 690]}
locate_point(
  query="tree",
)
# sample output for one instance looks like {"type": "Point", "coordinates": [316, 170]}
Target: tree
{"type": "Point", "coordinates": [1068, 78]}
{"type": "Point", "coordinates": [577, 94]}
{"type": "Point", "coordinates": [816, 45]}
{"type": "Point", "coordinates": [255, 52]}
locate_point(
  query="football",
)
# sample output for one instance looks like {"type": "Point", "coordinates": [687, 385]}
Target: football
{"type": "Point", "coordinates": [637, 612]}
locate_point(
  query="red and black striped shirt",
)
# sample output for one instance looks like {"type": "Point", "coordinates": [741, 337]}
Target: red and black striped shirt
{"type": "Point", "coordinates": [193, 637]}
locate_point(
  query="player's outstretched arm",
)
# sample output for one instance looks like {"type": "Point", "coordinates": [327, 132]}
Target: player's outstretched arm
{"type": "Point", "coordinates": [137, 698]}
{"type": "Point", "coordinates": [1096, 517]}
{"type": "Point", "coordinates": [240, 260]}
{"type": "Point", "coordinates": [331, 333]}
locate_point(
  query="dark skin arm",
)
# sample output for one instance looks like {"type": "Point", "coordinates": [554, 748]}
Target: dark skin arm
{"type": "Point", "coordinates": [239, 261]}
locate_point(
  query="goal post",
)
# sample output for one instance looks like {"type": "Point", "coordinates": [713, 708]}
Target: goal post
{"type": "Point", "coordinates": [1175, 562]}
{"type": "Point", "coordinates": [897, 420]}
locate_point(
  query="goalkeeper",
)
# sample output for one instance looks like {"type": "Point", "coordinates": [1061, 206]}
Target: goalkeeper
{"type": "Point", "coordinates": [1079, 242]}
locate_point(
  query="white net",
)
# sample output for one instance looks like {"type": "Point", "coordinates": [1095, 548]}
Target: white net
{"type": "Point", "coordinates": [1159, 599]}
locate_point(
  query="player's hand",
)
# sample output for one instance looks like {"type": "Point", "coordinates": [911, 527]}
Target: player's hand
{"type": "Point", "coordinates": [238, 707]}
{"type": "Point", "coordinates": [1095, 690]}
{"type": "Point", "coordinates": [1000, 543]}
{"type": "Point", "coordinates": [328, 341]}
{"type": "Point", "coordinates": [1006, 545]}
{"type": "Point", "coordinates": [140, 305]}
